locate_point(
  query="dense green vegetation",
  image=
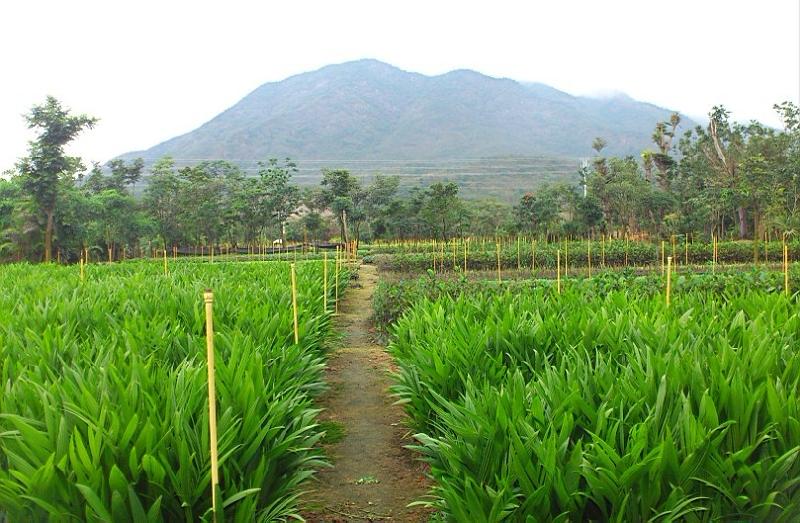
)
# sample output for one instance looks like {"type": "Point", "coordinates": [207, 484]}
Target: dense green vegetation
{"type": "Point", "coordinates": [393, 298]}
{"type": "Point", "coordinates": [536, 255]}
{"type": "Point", "coordinates": [533, 406]}
{"type": "Point", "coordinates": [726, 180]}
{"type": "Point", "coordinates": [104, 410]}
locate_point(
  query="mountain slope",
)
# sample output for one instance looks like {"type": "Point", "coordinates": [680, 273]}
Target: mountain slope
{"type": "Point", "coordinates": [369, 110]}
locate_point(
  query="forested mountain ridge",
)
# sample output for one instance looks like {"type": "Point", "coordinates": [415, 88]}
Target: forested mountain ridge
{"type": "Point", "coordinates": [370, 110]}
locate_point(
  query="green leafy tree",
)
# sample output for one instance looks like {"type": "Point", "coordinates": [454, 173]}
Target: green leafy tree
{"type": "Point", "coordinates": [47, 168]}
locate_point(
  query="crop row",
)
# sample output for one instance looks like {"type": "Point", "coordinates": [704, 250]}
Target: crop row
{"type": "Point", "coordinates": [104, 409]}
{"type": "Point", "coordinates": [537, 407]}
{"type": "Point", "coordinates": [616, 253]}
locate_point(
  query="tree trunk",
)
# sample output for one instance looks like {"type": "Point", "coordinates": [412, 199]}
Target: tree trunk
{"type": "Point", "coordinates": [48, 236]}
{"type": "Point", "coordinates": [343, 224]}
{"type": "Point", "coordinates": [742, 223]}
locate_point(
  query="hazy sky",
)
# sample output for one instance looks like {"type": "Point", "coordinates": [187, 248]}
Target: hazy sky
{"type": "Point", "coordinates": [151, 70]}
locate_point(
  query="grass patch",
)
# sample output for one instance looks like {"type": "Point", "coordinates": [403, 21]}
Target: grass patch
{"type": "Point", "coordinates": [334, 432]}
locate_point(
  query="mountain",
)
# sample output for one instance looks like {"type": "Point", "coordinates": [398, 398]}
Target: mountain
{"type": "Point", "coordinates": [369, 110]}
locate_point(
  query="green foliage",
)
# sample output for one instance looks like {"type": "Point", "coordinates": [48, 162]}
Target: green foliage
{"type": "Point", "coordinates": [104, 411]}
{"type": "Point", "coordinates": [542, 407]}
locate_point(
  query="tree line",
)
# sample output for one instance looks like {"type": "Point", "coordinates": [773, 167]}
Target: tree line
{"type": "Point", "coordinates": [726, 178]}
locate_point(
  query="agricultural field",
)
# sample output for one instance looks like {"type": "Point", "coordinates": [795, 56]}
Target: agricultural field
{"type": "Point", "coordinates": [104, 409]}
{"type": "Point", "coordinates": [597, 400]}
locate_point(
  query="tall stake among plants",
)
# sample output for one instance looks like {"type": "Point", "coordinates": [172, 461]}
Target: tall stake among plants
{"type": "Point", "coordinates": [208, 298]}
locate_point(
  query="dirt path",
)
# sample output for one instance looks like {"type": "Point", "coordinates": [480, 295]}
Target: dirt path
{"type": "Point", "coordinates": [373, 477]}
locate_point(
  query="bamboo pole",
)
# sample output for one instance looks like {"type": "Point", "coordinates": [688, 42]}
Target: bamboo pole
{"type": "Point", "coordinates": [166, 271]}
{"type": "Point", "coordinates": [294, 305]}
{"type": "Point", "coordinates": [109, 255]}
{"type": "Point", "coordinates": [558, 271]}
{"type": "Point", "coordinates": [325, 281]}
{"type": "Point", "coordinates": [336, 283]}
{"type": "Point", "coordinates": [669, 278]}
{"type": "Point", "coordinates": [465, 256]}
{"type": "Point", "coordinates": [208, 298]}
{"type": "Point", "coordinates": [82, 267]}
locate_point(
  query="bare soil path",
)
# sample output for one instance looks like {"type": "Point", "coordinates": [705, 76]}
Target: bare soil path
{"type": "Point", "coordinates": [374, 477]}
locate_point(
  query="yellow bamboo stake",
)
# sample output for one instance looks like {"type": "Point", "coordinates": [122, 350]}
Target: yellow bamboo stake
{"type": "Point", "coordinates": [82, 269]}
{"type": "Point", "coordinates": [208, 298]}
{"type": "Point", "coordinates": [558, 271]}
{"type": "Point", "coordinates": [669, 279]}
{"type": "Point", "coordinates": [325, 281]}
{"type": "Point", "coordinates": [713, 254]}
{"type": "Point", "coordinates": [294, 306]}
{"type": "Point", "coordinates": [336, 283]}
{"type": "Point", "coordinates": [165, 262]}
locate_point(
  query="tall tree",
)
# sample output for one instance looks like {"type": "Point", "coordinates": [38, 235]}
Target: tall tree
{"type": "Point", "coordinates": [282, 197]}
{"type": "Point", "coordinates": [340, 193]}
{"type": "Point", "coordinates": [47, 166]}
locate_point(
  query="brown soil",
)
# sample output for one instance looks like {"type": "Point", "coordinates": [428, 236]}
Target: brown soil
{"type": "Point", "coordinates": [374, 477]}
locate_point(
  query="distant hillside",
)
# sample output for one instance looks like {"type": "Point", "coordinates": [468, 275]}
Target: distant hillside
{"type": "Point", "coordinates": [494, 136]}
{"type": "Point", "coordinates": [369, 110]}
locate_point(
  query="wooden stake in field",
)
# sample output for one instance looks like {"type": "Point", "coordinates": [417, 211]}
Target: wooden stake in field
{"type": "Point", "coordinates": [82, 264]}
{"type": "Point", "coordinates": [165, 262]}
{"type": "Point", "coordinates": [558, 271]}
{"type": "Point", "coordinates": [336, 283]}
{"type": "Point", "coordinates": [208, 298]}
{"type": "Point", "coordinates": [713, 254]}
{"type": "Point", "coordinates": [465, 255]}
{"type": "Point", "coordinates": [294, 306]}
{"type": "Point", "coordinates": [325, 281]}
{"type": "Point", "coordinates": [669, 278]}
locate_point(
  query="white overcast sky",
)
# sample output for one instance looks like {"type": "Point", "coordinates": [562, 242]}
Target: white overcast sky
{"type": "Point", "coordinates": [153, 69]}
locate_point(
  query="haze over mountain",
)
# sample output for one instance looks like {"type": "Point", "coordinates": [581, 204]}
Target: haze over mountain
{"type": "Point", "coordinates": [370, 110]}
